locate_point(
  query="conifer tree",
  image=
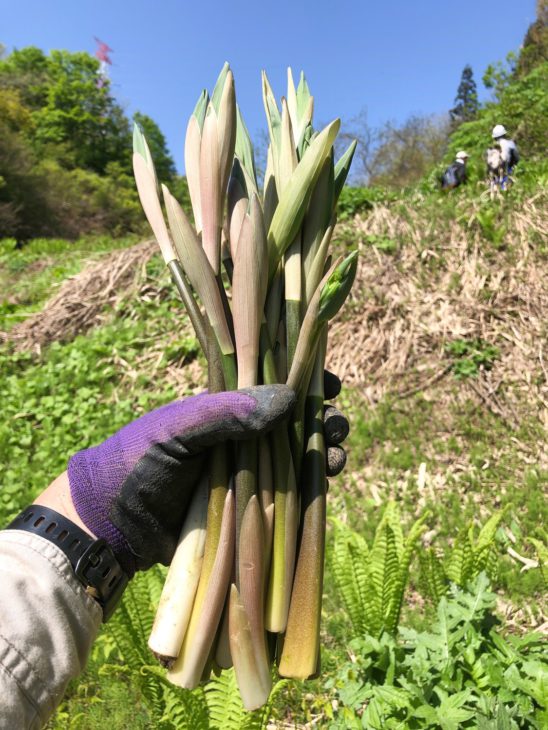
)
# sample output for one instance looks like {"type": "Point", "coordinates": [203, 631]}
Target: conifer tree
{"type": "Point", "coordinates": [466, 100]}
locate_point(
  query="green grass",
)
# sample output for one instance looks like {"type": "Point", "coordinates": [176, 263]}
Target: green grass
{"type": "Point", "coordinates": [94, 699]}
{"type": "Point", "coordinates": [75, 395]}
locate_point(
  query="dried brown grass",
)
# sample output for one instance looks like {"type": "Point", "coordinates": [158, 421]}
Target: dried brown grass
{"type": "Point", "coordinates": [83, 300]}
{"type": "Point", "coordinates": [443, 283]}
{"type": "Point", "coordinates": [404, 308]}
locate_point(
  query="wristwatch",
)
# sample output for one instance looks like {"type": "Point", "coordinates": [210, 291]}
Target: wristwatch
{"type": "Point", "coordinates": [92, 560]}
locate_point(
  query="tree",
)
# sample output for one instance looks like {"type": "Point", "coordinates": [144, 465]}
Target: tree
{"type": "Point", "coordinates": [498, 75]}
{"type": "Point", "coordinates": [466, 100]}
{"type": "Point", "coordinates": [25, 209]}
{"type": "Point", "coordinates": [163, 161]}
{"type": "Point", "coordinates": [71, 111]}
{"type": "Point", "coordinates": [404, 153]}
{"type": "Point", "coordinates": [535, 44]}
{"type": "Point", "coordinates": [358, 128]}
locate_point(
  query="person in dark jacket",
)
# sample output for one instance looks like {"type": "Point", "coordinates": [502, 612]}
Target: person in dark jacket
{"type": "Point", "coordinates": [455, 174]}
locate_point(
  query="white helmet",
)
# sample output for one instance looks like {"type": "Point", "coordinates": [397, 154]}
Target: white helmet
{"type": "Point", "coordinates": [498, 131]}
{"type": "Point", "coordinates": [462, 155]}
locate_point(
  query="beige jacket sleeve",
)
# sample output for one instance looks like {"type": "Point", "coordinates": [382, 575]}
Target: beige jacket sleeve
{"type": "Point", "coordinates": [47, 626]}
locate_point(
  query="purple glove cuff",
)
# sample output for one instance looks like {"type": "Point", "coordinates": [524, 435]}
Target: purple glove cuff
{"type": "Point", "coordinates": [84, 492]}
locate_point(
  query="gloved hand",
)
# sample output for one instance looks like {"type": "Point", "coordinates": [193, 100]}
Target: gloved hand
{"type": "Point", "coordinates": [133, 490]}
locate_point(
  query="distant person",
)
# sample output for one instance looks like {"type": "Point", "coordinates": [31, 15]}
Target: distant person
{"type": "Point", "coordinates": [508, 152]}
{"type": "Point", "coordinates": [496, 171]}
{"type": "Point", "coordinates": [455, 174]}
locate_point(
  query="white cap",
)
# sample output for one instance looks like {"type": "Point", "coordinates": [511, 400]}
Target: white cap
{"type": "Point", "coordinates": [462, 155]}
{"type": "Point", "coordinates": [498, 131]}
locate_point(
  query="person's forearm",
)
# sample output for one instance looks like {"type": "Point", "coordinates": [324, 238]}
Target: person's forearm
{"type": "Point", "coordinates": [57, 496]}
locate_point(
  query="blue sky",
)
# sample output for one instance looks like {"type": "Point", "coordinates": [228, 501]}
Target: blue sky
{"type": "Point", "coordinates": [395, 58]}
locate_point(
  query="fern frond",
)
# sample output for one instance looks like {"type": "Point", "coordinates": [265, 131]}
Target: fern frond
{"type": "Point", "coordinates": [402, 577]}
{"type": "Point", "coordinates": [368, 616]}
{"type": "Point", "coordinates": [392, 515]}
{"type": "Point", "coordinates": [181, 708]}
{"type": "Point", "coordinates": [350, 555]}
{"type": "Point", "coordinates": [488, 532]}
{"type": "Point", "coordinates": [377, 567]}
{"type": "Point", "coordinates": [390, 574]}
{"type": "Point", "coordinates": [372, 581]}
{"type": "Point", "coordinates": [460, 564]}
{"type": "Point", "coordinates": [433, 576]}
{"type": "Point", "coordinates": [226, 711]}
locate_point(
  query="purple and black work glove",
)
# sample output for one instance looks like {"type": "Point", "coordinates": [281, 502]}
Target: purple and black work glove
{"type": "Point", "coordinates": [134, 489]}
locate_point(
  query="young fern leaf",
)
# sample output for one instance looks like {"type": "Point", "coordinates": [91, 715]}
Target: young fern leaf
{"type": "Point", "coordinates": [177, 708]}
{"type": "Point", "coordinates": [351, 563]}
{"type": "Point", "coordinates": [433, 575]}
{"type": "Point", "coordinates": [485, 558]}
{"type": "Point", "coordinates": [378, 573]}
{"type": "Point", "coordinates": [459, 566]}
{"type": "Point", "coordinates": [226, 711]}
{"type": "Point", "coordinates": [372, 582]}
{"type": "Point", "coordinates": [410, 545]}
{"type": "Point", "coordinates": [345, 573]}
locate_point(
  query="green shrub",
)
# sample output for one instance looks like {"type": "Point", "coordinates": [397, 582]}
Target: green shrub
{"type": "Point", "coordinates": [461, 673]}
{"type": "Point", "coordinates": [359, 200]}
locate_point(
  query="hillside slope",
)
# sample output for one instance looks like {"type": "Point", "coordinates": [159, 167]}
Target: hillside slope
{"type": "Point", "coordinates": [441, 348]}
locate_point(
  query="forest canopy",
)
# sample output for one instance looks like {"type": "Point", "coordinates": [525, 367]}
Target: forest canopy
{"type": "Point", "coordinates": [65, 148]}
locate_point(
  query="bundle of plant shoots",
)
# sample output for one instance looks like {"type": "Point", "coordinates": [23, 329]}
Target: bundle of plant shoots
{"type": "Point", "coordinates": [257, 279]}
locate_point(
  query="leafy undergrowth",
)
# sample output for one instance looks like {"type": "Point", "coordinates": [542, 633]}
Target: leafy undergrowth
{"type": "Point", "coordinates": [459, 673]}
{"type": "Point", "coordinates": [78, 393]}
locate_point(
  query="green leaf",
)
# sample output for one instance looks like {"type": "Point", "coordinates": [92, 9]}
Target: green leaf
{"type": "Point", "coordinates": [219, 87]}
{"type": "Point", "coordinates": [244, 153]}
{"type": "Point", "coordinates": [201, 108]}
{"type": "Point", "coordinates": [342, 168]}
{"type": "Point", "coordinates": [337, 287]}
{"type": "Point", "coordinates": [273, 116]}
{"type": "Point", "coordinates": [293, 202]}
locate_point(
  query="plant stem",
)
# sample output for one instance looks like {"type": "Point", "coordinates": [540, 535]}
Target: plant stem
{"type": "Point", "coordinates": [285, 533]}
{"type": "Point", "coordinates": [292, 272]}
{"type": "Point", "coordinates": [302, 640]}
{"type": "Point", "coordinates": [246, 484]}
{"type": "Point", "coordinates": [192, 308]}
{"type": "Point", "coordinates": [210, 599]}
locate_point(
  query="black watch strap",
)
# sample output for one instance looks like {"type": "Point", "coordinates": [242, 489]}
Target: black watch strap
{"type": "Point", "coordinates": [92, 560]}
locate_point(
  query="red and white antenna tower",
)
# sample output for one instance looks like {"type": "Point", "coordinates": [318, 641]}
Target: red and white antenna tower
{"type": "Point", "coordinates": [102, 53]}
